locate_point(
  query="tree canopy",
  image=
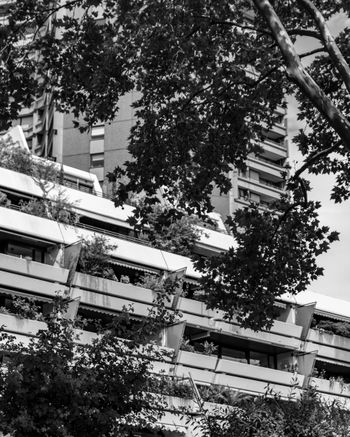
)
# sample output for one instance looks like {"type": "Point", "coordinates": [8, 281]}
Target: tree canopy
{"type": "Point", "coordinates": [60, 384]}
{"type": "Point", "coordinates": [210, 76]}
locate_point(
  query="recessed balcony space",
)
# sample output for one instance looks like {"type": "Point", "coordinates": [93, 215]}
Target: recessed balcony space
{"type": "Point", "coordinates": [264, 165]}
{"type": "Point", "coordinates": [276, 133]}
{"type": "Point", "coordinates": [237, 374]}
{"type": "Point", "coordinates": [273, 150]}
{"type": "Point", "coordinates": [275, 162]}
{"type": "Point", "coordinates": [256, 186]}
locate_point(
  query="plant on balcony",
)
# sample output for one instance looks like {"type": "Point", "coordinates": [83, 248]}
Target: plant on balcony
{"type": "Point", "coordinates": [333, 327]}
{"type": "Point", "coordinates": [268, 416]}
{"type": "Point", "coordinates": [15, 158]}
{"type": "Point", "coordinates": [171, 386]}
{"type": "Point", "coordinates": [95, 257]}
{"type": "Point", "coordinates": [4, 201]}
{"type": "Point", "coordinates": [58, 208]}
{"type": "Point", "coordinates": [208, 348]}
{"type": "Point", "coordinates": [221, 394]}
{"type": "Point", "coordinates": [54, 387]}
{"type": "Point", "coordinates": [176, 235]}
{"type": "Point", "coordinates": [45, 174]}
{"type": "Point", "coordinates": [23, 308]}
{"type": "Point", "coordinates": [187, 346]}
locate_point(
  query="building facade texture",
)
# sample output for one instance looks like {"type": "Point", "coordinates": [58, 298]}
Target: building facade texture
{"type": "Point", "coordinates": [33, 263]}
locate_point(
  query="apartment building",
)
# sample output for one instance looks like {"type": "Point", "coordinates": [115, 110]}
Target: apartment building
{"type": "Point", "coordinates": [33, 262]}
{"type": "Point", "coordinates": [105, 146]}
{"type": "Point", "coordinates": [52, 134]}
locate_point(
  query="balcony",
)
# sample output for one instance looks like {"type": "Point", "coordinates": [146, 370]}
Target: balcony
{"type": "Point", "coordinates": [329, 346]}
{"type": "Point", "coordinates": [332, 391]}
{"type": "Point", "coordinates": [102, 209]}
{"type": "Point", "coordinates": [51, 231]}
{"type": "Point", "coordinates": [107, 295]}
{"type": "Point", "coordinates": [27, 267]}
{"type": "Point", "coordinates": [274, 149]}
{"type": "Point", "coordinates": [260, 188]}
{"type": "Point", "coordinates": [282, 334]}
{"type": "Point", "coordinates": [265, 166]}
{"type": "Point", "coordinates": [236, 375]}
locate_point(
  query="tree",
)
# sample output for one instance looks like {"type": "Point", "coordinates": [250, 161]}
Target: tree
{"type": "Point", "coordinates": [56, 387]}
{"type": "Point", "coordinates": [211, 75]}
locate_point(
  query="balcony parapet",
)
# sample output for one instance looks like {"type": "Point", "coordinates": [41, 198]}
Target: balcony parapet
{"type": "Point", "coordinates": [27, 267]}
{"type": "Point", "coordinates": [332, 390]}
{"type": "Point", "coordinates": [282, 334]}
{"type": "Point", "coordinates": [330, 346]}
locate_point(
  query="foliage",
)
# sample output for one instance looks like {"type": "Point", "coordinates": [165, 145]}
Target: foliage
{"type": "Point", "coordinates": [206, 348]}
{"type": "Point", "coordinates": [4, 201]}
{"type": "Point", "coordinates": [274, 255]}
{"type": "Point", "coordinates": [54, 387]}
{"type": "Point", "coordinates": [209, 348]}
{"type": "Point", "coordinates": [164, 287]}
{"type": "Point", "coordinates": [333, 327]}
{"type": "Point", "coordinates": [210, 77]}
{"type": "Point", "coordinates": [174, 234]}
{"type": "Point", "coordinates": [15, 158]}
{"type": "Point", "coordinates": [187, 346]}
{"type": "Point", "coordinates": [24, 308]}
{"type": "Point", "coordinates": [220, 394]}
{"type": "Point", "coordinates": [266, 417]}
{"type": "Point", "coordinates": [169, 386]}
{"type": "Point", "coordinates": [62, 209]}
{"type": "Point", "coordinates": [57, 208]}
{"type": "Point", "coordinates": [45, 175]}
{"type": "Point", "coordinates": [95, 257]}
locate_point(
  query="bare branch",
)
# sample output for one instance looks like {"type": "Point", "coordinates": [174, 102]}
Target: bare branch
{"type": "Point", "coordinates": [312, 52]}
{"type": "Point", "coordinates": [299, 75]}
{"type": "Point", "coordinates": [296, 177]}
{"type": "Point", "coordinates": [304, 32]}
{"type": "Point", "coordinates": [314, 158]}
{"type": "Point", "coordinates": [235, 24]}
{"type": "Point", "coordinates": [328, 40]}
{"type": "Point", "coordinates": [265, 76]}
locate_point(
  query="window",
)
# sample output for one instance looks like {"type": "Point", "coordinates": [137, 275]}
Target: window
{"type": "Point", "coordinates": [97, 145]}
{"type": "Point", "coordinates": [259, 359]}
{"type": "Point", "coordinates": [235, 355]}
{"type": "Point", "coordinates": [97, 160]}
{"type": "Point", "coordinates": [25, 251]}
{"type": "Point", "coordinates": [97, 141]}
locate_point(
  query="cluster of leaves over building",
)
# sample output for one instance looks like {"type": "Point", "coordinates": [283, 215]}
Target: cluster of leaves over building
{"type": "Point", "coordinates": [275, 254]}
{"type": "Point", "coordinates": [56, 386]}
{"type": "Point", "coordinates": [95, 257]}
{"type": "Point", "coordinates": [273, 417]}
{"type": "Point", "coordinates": [172, 233]}
{"type": "Point", "coordinates": [46, 175]}
{"type": "Point", "coordinates": [210, 77]}
{"type": "Point", "coordinates": [333, 327]}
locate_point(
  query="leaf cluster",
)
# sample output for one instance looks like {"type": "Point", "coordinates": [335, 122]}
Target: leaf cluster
{"type": "Point", "coordinates": [94, 257]}
{"type": "Point", "coordinates": [274, 254]}
{"type": "Point", "coordinates": [54, 387]}
{"type": "Point", "coordinates": [172, 231]}
{"type": "Point", "coordinates": [308, 416]}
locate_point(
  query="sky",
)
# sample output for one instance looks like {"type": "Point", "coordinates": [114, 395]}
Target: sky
{"type": "Point", "coordinates": [336, 262]}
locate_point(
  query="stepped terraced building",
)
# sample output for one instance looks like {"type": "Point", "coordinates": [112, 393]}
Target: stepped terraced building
{"type": "Point", "coordinates": [34, 262]}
